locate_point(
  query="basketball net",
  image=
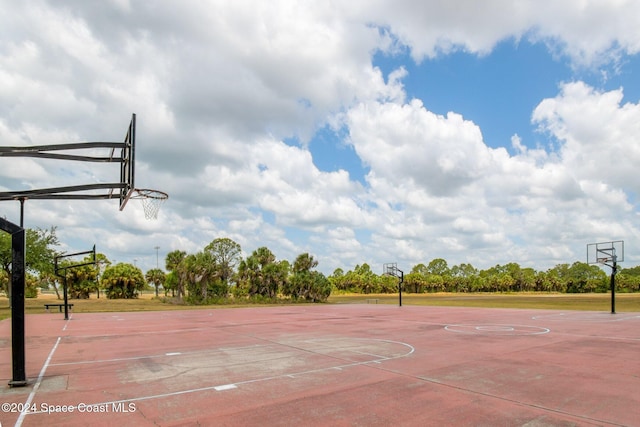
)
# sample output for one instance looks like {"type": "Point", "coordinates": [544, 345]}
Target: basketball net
{"type": "Point", "coordinates": [151, 201]}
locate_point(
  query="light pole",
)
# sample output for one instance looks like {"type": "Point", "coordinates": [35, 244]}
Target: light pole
{"type": "Point", "coordinates": [156, 248]}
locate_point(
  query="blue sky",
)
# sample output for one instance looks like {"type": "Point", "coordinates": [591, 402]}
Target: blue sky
{"type": "Point", "coordinates": [497, 91]}
{"type": "Point", "coordinates": [358, 132]}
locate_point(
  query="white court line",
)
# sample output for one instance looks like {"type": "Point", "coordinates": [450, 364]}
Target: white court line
{"type": "Point", "coordinates": [36, 386]}
{"type": "Point", "coordinates": [27, 404]}
{"type": "Point", "coordinates": [546, 316]}
{"type": "Point", "coordinates": [224, 387]}
{"type": "Point", "coordinates": [497, 330]}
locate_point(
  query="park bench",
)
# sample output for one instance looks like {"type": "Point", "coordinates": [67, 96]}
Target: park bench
{"type": "Point", "coordinates": [372, 301]}
{"type": "Point", "coordinates": [47, 306]}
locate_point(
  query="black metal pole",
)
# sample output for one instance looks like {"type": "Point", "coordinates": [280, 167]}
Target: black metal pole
{"type": "Point", "coordinates": [613, 286]}
{"type": "Point", "coordinates": [400, 287]}
{"type": "Point", "coordinates": [17, 309]}
{"type": "Point", "coordinates": [66, 298]}
{"type": "Point", "coordinates": [22, 212]}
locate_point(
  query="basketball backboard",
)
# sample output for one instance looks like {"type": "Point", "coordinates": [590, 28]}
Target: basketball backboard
{"type": "Point", "coordinates": [127, 165]}
{"type": "Point", "coordinates": [390, 269]}
{"type": "Point", "coordinates": [605, 252]}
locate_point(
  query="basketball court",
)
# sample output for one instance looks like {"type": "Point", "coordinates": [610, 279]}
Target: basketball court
{"type": "Point", "coordinates": [343, 364]}
{"type": "Point", "coordinates": [318, 365]}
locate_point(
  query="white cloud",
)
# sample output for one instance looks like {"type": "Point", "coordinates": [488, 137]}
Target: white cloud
{"type": "Point", "coordinates": [413, 147]}
{"type": "Point", "coordinates": [597, 132]}
{"type": "Point", "coordinates": [589, 32]}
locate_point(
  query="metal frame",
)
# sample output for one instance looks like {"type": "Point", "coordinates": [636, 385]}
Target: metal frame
{"type": "Point", "coordinates": [121, 189]}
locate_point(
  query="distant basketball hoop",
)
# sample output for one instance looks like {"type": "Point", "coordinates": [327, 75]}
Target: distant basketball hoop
{"type": "Point", "coordinates": [609, 254]}
{"type": "Point", "coordinates": [151, 200]}
{"type": "Point", "coordinates": [391, 269]}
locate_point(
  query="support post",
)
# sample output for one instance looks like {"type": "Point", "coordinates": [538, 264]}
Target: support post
{"type": "Point", "coordinates": [65, 296]}
{"type": "Point", "coordinates": [17, 310]}
{"type": "Point", "coordinates": [22, 199]}
{"type": "Point", "coordinates": [400, 282]}
{"type": "Point", "coordinates": [614, 269]}
{"type": "Point", "coordinates": [18, 245]}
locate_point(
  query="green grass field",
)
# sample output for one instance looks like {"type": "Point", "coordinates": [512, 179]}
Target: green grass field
{"type": "Point", "coordinates": [586, 302]}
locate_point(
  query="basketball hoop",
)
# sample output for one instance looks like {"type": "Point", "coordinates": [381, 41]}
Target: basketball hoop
{"type": "Point", "coordinates": [391, 269]}
{"type": "Point", "coordinates": [609, 254]}
{"type": "Point", "coordinates": [151, 201]}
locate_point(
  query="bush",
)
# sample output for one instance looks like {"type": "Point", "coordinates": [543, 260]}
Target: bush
{"type": "Point", "coordinates": [123, 281]}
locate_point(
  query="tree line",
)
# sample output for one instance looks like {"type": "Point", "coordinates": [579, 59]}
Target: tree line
{"type": "Point", "coordinates": [437, 276]}
{"type": "Point", "coordinates": [216, 273]}
{"type": "Point", "coordinates": [219, 273]}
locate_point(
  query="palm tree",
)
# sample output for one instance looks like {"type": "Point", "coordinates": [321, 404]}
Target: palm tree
{"type": "Point", "coordinates": [174, 263]}
{"type": "Point", "coordinates": [156, 277]}
{"type": "Point", "coordinates": [201, 271]}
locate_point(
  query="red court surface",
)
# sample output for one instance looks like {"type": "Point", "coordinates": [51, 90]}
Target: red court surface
{"type": "Point", "coordinates": [327, 365]}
